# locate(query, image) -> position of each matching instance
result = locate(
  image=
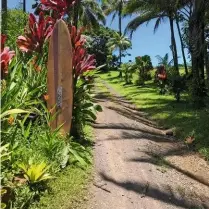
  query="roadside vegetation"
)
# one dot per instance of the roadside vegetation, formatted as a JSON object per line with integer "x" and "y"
{"x": 37, "y": 160}
{"x": 182, "y": 116}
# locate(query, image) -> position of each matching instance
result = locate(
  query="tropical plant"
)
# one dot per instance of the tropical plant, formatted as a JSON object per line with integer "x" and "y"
{"x": 98, "y": 46}
{"x": 25, "y": 120}
{"x": 36, "y": 35}
{"x": 128, "y": 69}
{"x": 164, "y": 61}
{"x": 115, "y": 8}
{"x": 58, "y": 8}
{"x": 159, "y": 10}
{"x": 120, "y": 43}
{"x": 88, "y": 13}
{"x": 84, "y": 109}
{"x": 16, "y": 21}
{"x": 35, "y": 173}
{"x": 6, "y": 56}
{"x": 143, "y": 64}
{"x": 4, "y": 152}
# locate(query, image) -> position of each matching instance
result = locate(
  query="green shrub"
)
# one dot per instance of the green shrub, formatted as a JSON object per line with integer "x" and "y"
{"x": 128, "y": 70}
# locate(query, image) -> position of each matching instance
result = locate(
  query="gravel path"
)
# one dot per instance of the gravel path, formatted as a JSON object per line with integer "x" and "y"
{"x": 139, "y": 167}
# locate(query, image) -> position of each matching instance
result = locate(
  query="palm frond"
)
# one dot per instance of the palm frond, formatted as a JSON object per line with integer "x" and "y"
{"x": 139, "y": 20}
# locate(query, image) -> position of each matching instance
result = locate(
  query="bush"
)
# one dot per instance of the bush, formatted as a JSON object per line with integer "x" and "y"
{"x": 128, "y": 69}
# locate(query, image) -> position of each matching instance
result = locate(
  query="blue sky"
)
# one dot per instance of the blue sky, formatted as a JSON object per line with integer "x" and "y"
{"x": 144, "y": 40}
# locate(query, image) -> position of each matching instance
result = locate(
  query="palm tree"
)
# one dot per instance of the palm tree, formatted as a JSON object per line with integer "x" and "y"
{"x": 164, "y": 61}
{"x": 121, "y": 43}
{"x": 88, "y": 13}
{"x": 197, "y": 43}
{"x": 148, "y": 10}
{"x": 115, "y": 8}
{"x": 182, "y": 44}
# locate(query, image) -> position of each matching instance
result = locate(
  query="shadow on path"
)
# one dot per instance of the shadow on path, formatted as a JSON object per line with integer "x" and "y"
{"x": 151, "y": 191}
{"x": 152, "y": 159}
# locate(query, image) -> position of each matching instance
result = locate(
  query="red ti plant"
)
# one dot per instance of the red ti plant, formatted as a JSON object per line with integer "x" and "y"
{"x": 59, "y": 7}
{"x": 76, "y": 36}
{"x": 82, "y": 61}
{"x": 36, "y": 34}
{"x": 3, "y": 40}
{"x": 6, "y": 56}
{"x": 161, "y": 73}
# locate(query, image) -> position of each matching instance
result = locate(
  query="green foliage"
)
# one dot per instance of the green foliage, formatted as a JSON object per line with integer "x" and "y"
{"x": 29, "y": 144}
{"x": 3, "y": 192}
{"x": 97, "y": 45}
{"x": 128, "y": 69}
{"x": 144, "y": 65}
{"x": 168, "y": 113}
{"x": 12, "y": 112}
{"x": 69, "y": 190}
{"x": 165, "y": 61}
{"x": 35, "y": 173}
{"x": 4, "y": 153}
{"x": 26, "y": 134}
{"x": 15, "y": 23}
{"x": 85, "y": 109}
{"x": 119, "y": 42}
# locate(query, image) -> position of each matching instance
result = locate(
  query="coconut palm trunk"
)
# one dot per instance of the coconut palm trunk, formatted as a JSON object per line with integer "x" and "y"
{"x": 182, "y": 46}
{"x": 120, "y": 32}
{"x": 4, "y": 15}
{"x": 76, "y": 13}
{"x": 24, "y": 5}
{"x": 173, "y": 46}
{"x": 207, "y": 64}
{"x": 196, "y": 41}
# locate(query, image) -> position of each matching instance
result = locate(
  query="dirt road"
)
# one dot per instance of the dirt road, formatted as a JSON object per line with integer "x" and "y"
{"x": 137, "y": 167}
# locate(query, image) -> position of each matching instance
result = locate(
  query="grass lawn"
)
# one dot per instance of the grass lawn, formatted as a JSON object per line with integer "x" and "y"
{"x": 69, "y": 190}
{"x": 166, "y": 111}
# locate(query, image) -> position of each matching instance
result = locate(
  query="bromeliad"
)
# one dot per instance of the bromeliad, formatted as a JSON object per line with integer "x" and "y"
{"x": 36, "y": 34}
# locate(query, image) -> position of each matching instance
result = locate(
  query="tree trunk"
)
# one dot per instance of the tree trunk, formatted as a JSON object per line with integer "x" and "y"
{"x": 182, "y": 46}
{"x": 207, "y": 64}
{"x": 4, "y": 5}
{"x": 120, "y": 32}
{"x": 76, "y": 13}
{"x": 4, "y": 15}
{"x": 173, "y": 46}
{"x": 24, "y": 5}
{"x": 196, "y": 41}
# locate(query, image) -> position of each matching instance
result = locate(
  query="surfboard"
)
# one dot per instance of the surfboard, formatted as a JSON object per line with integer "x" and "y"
{"x": 60, "y": 77}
